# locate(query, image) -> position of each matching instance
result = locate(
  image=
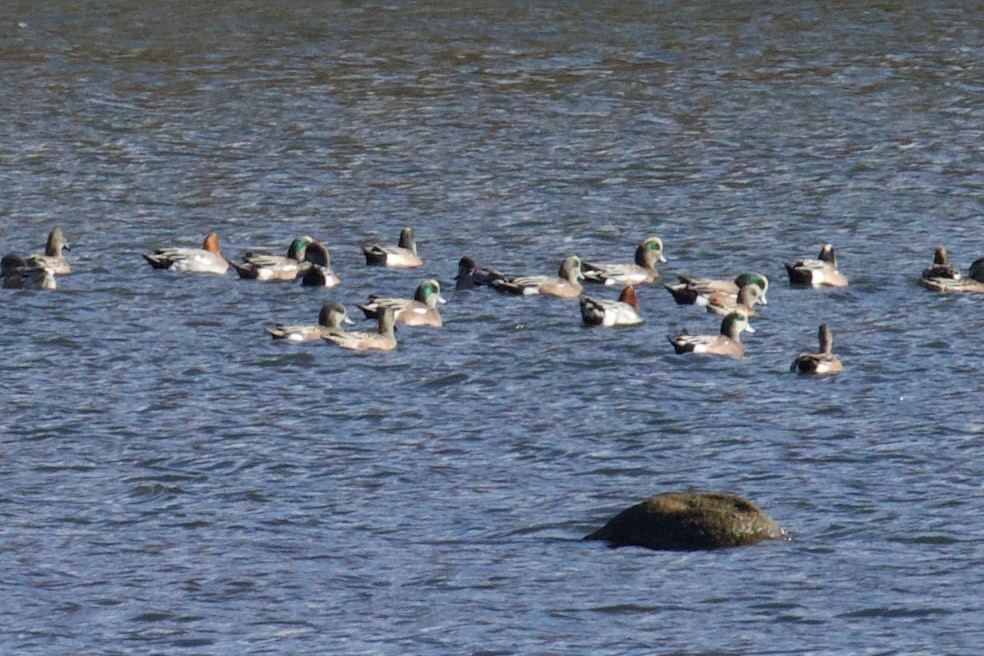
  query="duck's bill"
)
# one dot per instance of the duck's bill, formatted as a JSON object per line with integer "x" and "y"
{"x": 749, "y": 328}
{"x": 662, "y": 258}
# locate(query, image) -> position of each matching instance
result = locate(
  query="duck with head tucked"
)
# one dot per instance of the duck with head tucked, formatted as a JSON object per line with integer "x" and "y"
{"x": 727, "y": 343}
{"x": 704, "y": 291}
{"x": 330, "y": 320}
{"x": 564, "y": 285}
{"x": 941, "y": 277}
{"x": 403, "y": 256}
{"x": 19, "y": 274}
{"x": 264, "y": 266}
{"x": 821, "y": 272}
{"x": 421, "y": 310}
{"x": 52, "y": 258}
{"x": 207, "y": 259}
{"x": 824, "y": 362}
{"x": 319, "y": 273}
{"x": 641, "y": 272}
{"x": 382, "y": 340}
{"x": 601, "y": 312}
{"x": 470, "y": 275}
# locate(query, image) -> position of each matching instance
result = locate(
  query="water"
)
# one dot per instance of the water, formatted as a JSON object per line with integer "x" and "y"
{"x": 174, "y": 482}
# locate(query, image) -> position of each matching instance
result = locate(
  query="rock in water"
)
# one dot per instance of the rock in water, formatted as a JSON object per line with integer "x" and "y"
{"x": 690, "y": 520}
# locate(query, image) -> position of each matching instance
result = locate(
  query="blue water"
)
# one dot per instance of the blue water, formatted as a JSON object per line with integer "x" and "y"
{"x": 174, "y": 482}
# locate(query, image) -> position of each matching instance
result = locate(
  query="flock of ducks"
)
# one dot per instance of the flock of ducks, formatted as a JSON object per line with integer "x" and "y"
{"x": 308, "y": 260}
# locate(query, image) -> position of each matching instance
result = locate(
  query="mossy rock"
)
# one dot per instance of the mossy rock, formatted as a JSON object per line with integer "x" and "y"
{"x": 690, "y": 520}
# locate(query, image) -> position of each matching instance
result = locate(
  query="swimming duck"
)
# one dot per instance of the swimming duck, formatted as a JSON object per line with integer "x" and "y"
{"x": 52, "y": 258}
{"x": 642, "y": 272}
{"x": 470, "y": 275}
{"x": 207, "y": 259}
{"x": 404, "y": 255}
{"x": 382, "y": 340}
{"x": 419, "y": 311}
{"x": 330, "y": 320}
{"x": 941, "y": 266}
{"x": 821, "y": 272}
{"x": 977, "y": 270}
{"x": 264, "y": 266}
{"x": 824, "y": 362}
{"x": 941, "y": 277}
{"x": 623, "y": 312}
{"x": 319, "y": 273}
{"x": 748, "y": 296}
{"x": 565, "y": 285}
{"x": 702, "y": 291}
{"x": 19, "y": 274}
{"x": 727, "y": 343}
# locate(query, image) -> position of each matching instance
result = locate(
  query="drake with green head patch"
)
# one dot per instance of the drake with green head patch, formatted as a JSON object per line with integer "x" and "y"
{"x": 421, "y": 310}
{"x": 641, "y": 272}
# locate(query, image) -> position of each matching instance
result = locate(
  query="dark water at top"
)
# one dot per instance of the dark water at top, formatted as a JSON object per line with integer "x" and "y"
{"x": 173, "y": 482}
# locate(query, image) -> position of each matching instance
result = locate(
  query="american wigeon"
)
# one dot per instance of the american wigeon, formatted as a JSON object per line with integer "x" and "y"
{"x": 330, "y": 320}
{"x": 404, "y": 255}
{"x": 565, "y": 285}
{"x": 52, "y": 258}
{"x": 319, "y": 273}
{"x": 19, "y": 274}
{"x": 748, "y": 297}
{"x": 941, "y": 266}
{"x": 821, "y": 272}
{"x": 601, "y": 312}
{"x": 824, "y": 362}
{"x": 470, "y": 275}
{"x": 702, "y": 291}
{"x": 421, "y": 310}
{"x": 382, "y": 340}
{"x": 727, "y": 343}
{"x": 641, "y": 272}
{"x": 207, "y": 259}
{"x": 941, "y": 277}
{"x": 977, "y": 270}
{"x": 264, "y": 266}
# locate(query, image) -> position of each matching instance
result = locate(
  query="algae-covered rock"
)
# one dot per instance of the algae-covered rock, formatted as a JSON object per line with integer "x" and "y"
{"x": 690, "y": 520}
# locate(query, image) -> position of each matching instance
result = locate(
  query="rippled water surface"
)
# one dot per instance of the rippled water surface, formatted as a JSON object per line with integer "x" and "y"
{"x": 175, "y": 482}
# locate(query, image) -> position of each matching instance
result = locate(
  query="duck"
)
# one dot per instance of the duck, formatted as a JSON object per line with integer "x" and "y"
{"x": 824, "y": 362}
{"x": 565, "y": 285}
{"x": 623, "y": 312}
{"x": 20, "y": 274}
{"x": 641, "y": 272}
{"x": 941, "y": 266}
{"x": 703, "y": 291}
{"x": 421, "y": 310}
{"x": 402, "y": 256}
{"x": 727, "y": 343}
{"x": 941, "y": 277}
{"x": 330, "y": 320}
{"x": 821, "y": 272}
{"x": 207, "y": 259}
{"x": 723, "y": 304}
{"x": 264, "y": 266}
{"x": 977, "y": 269}
{"x": 52, "y": 258}
{"x": 470, "y": 275}
{"x": 319, "y": 273}
{"x": 382, "y": 340}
